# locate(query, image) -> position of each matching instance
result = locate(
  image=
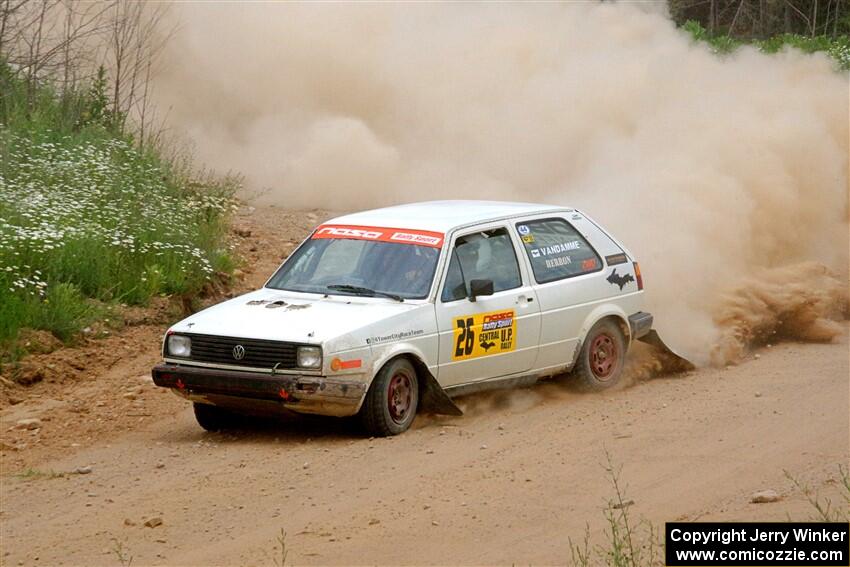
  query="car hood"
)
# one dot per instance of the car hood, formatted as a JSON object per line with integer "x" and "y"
{"x": 285, "y": 316}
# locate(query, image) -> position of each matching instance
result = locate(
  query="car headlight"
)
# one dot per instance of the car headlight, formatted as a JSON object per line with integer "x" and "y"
{"x": 178, "y": 345}
{"x": 309, "y": 357}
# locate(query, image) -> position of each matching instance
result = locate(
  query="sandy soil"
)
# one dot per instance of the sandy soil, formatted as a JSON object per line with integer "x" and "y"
{"x": 510, "y": 482}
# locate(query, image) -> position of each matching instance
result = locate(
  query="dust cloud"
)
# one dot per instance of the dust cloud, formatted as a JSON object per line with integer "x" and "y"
{"x": 727, "y": 178}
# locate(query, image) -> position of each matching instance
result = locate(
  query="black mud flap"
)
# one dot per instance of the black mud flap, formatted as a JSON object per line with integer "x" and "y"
{"x": 433, "y": 398}
{"x": 674, "y": 360}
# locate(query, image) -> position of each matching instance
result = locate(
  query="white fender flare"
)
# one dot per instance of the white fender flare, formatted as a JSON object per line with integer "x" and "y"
{"x": 601, "y": 312}
{"x": 388, "y": 352}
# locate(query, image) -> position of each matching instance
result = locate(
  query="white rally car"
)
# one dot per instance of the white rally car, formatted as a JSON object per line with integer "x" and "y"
{"x": 382, "y": 312}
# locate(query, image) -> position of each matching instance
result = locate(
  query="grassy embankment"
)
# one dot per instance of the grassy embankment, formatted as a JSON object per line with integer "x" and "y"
{"x": 90, "y": 220}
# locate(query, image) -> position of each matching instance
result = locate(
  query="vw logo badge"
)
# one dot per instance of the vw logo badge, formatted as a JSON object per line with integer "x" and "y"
{"x": 238, "y": 352}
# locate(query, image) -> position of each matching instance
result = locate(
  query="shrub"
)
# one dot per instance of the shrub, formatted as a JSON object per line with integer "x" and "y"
{"x": 837, "y": 47}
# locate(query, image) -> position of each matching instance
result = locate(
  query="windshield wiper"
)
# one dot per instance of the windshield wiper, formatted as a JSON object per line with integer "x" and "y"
{"x": 357, "y": 290}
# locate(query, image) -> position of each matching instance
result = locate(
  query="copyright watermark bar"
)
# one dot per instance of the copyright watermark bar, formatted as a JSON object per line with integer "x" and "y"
{"x": 763, "y": 544}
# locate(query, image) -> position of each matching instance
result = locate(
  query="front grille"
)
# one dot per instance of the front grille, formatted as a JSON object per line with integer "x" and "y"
{"x": 259, "y": 353}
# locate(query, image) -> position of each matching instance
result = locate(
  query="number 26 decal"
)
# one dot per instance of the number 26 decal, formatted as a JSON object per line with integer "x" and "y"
{"x": 484, "y": 334}
{"x": 465, "y": 337}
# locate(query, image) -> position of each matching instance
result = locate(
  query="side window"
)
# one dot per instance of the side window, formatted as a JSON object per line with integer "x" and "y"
{"x": 557, "y": 250}
{"x": 482, "y": 255}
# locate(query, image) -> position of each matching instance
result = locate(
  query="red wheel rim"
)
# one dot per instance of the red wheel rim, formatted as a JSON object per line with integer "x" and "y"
{"x": 603, "y": 356}
{"x": 399, "y": 396}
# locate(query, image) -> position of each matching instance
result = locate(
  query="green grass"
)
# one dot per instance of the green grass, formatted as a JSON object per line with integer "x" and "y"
{"x": 89, "y": 219}
{"x": 628, "y": 542}
{"x": 825, "y": 509}
{"x": 61, "y": 309}
{"x": 279, "y": 559}
{"x": 121, "y": 552}
{"x": 836, "y": 47}
{"x": 37, "y": 474}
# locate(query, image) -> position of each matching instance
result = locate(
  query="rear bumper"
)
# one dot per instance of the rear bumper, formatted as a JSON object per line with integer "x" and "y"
{"x": 640, "y": 324}
{"x": 242, "y": 390}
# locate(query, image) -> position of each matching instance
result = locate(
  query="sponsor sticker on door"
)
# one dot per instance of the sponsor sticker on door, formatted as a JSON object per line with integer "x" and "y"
{"x": 483, "y": 334}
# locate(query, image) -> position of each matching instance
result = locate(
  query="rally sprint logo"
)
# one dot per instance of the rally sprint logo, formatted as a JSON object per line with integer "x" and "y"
{"x": 416, "y": 238}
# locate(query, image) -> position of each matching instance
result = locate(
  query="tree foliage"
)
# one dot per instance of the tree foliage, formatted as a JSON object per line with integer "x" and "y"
{"x": 762, "y": 19}
{"x": 836, "y": 47}
{"x": 110, "y": 46}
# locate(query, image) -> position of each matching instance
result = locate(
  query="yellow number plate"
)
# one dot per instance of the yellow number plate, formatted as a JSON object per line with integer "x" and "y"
{"x": 484, "y": 333}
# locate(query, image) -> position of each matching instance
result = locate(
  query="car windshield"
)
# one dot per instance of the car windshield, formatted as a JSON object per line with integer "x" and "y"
{"x": 343, "y": 266}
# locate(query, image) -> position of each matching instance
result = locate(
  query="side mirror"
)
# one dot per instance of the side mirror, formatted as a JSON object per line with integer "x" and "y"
{"x": 480, "y": 287}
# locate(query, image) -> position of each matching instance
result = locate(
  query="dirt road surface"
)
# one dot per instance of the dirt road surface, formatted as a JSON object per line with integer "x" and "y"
{"x": 510, "y": 482}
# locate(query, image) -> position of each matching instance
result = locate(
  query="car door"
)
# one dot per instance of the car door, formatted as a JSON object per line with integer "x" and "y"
{"x": 489, "y": 335}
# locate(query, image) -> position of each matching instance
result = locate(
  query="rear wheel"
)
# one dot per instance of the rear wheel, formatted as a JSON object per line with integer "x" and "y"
{"x": 602, "y": 357}
{"x": 213, "y": 418}
{"x": 391, "y": 403}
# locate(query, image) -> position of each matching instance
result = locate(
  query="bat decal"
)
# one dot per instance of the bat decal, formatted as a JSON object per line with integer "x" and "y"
{"x": 487, "y": 345}
{"x": 616, "y": 279}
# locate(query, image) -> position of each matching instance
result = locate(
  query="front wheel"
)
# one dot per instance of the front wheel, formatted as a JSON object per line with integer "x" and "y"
{"x": 390, "y": 405}
{"x": 213, "y": 418}
{"x": 602, "y": 357}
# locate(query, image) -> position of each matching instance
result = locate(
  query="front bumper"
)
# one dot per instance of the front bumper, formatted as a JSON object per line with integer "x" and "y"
{"x": 247, "y": 390}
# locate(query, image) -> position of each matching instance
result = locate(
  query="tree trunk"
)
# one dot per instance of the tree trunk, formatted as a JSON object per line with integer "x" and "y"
{"x": 787, "y": 17}
{"x": 814, "y": 17}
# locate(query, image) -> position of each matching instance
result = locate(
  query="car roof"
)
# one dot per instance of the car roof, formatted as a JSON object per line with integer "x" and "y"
{"x": 442, "y": 216}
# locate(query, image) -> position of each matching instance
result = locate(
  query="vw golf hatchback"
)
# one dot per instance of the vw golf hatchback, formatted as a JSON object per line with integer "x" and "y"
{"x": 383, "y": 312}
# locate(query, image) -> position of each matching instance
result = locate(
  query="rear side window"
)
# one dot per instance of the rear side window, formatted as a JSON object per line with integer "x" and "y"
{"x": 481, "y": 255}
{"x": 557, "y": 250}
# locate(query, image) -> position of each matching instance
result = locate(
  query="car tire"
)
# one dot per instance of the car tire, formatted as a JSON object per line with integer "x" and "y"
{"x": 213, "y": 418}
{"x": 602, "y": 358}
{"x": 391, "y": 403}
